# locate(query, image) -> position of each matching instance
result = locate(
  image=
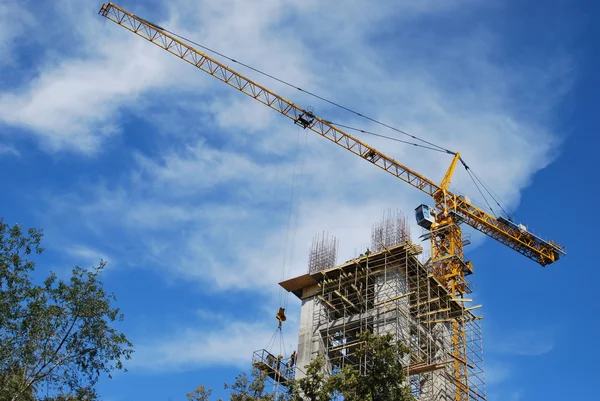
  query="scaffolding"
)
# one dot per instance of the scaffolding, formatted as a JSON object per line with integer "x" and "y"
{"x": 391, "y": 291}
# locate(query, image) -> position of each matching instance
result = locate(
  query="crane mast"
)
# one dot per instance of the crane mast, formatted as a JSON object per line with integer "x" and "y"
{"x": 448, "y": 262}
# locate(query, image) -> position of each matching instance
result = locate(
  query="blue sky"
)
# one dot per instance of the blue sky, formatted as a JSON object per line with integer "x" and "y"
{"x": 120, "y": 151}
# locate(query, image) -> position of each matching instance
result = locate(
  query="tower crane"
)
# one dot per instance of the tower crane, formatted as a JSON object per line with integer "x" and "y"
{"x": 443, "y": 220}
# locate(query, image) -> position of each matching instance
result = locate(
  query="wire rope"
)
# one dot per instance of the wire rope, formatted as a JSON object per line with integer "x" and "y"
{"x": 288, "y": 221}
{"x": 432, "y": 146}
{"x": 389, "y": 137}
{"x": 304, "y": 91}
{"x": 271, "y": 342}
{"x": 497, "y": 198}
{"x": 480, "y": 192}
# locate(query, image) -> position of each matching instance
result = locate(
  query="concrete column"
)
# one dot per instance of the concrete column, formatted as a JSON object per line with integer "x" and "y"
{"x": 305, "y": 336}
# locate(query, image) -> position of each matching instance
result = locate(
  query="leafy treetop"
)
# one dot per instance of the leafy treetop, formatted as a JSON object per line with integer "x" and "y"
{"x": 56, "y": 335}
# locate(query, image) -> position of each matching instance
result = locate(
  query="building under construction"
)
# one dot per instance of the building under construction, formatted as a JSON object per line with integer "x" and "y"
{"x": 387, "y": 289}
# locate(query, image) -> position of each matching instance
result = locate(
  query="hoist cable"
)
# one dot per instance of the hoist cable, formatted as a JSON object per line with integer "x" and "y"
{"x": 296, "y": 213}
{"x": 289, "y": 220}
{"x": 282, "y": 345}
{"x": 272, "y": 340}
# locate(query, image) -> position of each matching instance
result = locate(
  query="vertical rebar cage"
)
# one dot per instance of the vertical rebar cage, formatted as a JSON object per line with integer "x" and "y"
{"x": 323, "y": 253}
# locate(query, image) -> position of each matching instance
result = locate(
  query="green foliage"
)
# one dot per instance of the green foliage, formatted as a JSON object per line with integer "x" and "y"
{"x": 55, "y": 335}
{"x": 200, "y": 394}
{"x": 82, "y": 394}
{"x": 383, "y": 378}
{"x": 250, "y": 388}
{"x": 244, "y": 388}
{"x": 316, "y": 386}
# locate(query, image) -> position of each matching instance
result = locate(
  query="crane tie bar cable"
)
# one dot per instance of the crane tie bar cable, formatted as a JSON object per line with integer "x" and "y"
{"x": 389, "y": 137}
{"x": 431, "y": 146}
{"x": 302, "y": 90}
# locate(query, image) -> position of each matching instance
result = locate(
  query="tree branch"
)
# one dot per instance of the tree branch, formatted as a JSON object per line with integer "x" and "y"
{"x": 36, "y": 376}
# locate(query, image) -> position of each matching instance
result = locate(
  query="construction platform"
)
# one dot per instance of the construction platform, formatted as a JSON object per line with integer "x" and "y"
{"x": 277, "y": 368}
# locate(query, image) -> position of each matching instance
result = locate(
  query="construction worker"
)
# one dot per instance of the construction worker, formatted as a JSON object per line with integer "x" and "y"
{"x": 278, "y": 363}
{"x": 290, "y": 363}
{"x": 293, "y": 358}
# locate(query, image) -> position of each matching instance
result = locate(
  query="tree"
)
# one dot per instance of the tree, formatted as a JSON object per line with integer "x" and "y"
{"x": 56, "y": 334}
{"x": 251, "y": 388}
{"x": 82, "y": 394}
{"x": 200, "y": 394}
{"x": 244, "y": 388}
{"x": 318, "y": 385}
{"x": 383, "y": 377}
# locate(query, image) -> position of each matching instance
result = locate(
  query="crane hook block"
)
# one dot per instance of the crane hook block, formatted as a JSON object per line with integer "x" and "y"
{"x": 281, "y": 316}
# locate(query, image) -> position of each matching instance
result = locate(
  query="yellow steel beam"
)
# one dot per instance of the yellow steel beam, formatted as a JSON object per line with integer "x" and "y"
{"x": 448, "y": 177}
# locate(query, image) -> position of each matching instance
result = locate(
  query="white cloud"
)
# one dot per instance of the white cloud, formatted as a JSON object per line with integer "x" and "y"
{"x": 69, "y": 105}
{"x": 74, "y": 104}
{"x": 209, "y": 315}
{"x": 87, "y": 256}
{"x": 522, "y": 341}
{"x": 199, "y": 167}
{"x": 14, "y": 22}
{"x": 496, "y": 373}
{"x": 8, "y": 150}
{"x": 506, "y": 395}
{"x": 228, "y": 345}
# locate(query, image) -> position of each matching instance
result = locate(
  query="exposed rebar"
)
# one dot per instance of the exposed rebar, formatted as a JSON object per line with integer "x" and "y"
{"x": 323, "y": 253}
{"x": 391, "y": 230}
